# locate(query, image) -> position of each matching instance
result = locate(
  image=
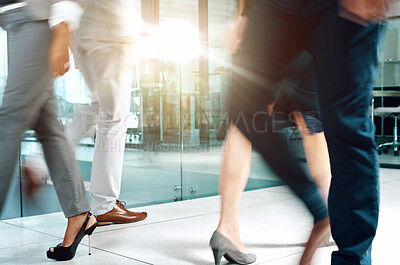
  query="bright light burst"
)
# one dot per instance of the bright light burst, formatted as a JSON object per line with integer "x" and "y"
{"x": 173, "y": 41}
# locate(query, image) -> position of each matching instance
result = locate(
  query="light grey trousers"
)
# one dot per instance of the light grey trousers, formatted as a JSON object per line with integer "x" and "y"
{"x": 28, "y": 102}
{"x": 107, "y": 69}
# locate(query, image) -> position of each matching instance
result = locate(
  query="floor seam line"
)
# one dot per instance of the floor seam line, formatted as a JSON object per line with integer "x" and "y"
{"x": 187, "y": 217}
{"x": 29, "y": 244}
{"x": 281, "y": 257}
{"x": 120, "y": 255}
{"x": 33, "y": 230}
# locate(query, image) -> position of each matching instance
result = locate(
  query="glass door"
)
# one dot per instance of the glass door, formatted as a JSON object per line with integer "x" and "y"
{"x": 205, "y": 118}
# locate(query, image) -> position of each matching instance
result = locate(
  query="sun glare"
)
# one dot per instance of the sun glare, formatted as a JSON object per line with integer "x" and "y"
{"x": 173, "y": 41}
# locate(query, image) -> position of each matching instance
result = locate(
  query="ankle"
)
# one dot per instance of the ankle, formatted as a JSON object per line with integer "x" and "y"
{"x": 77, "y": 217}
{"x": 234, "y": 237}
{"x": 232, "y": 233}
{"x": 228, "y": 228}
{"x": 78, "y": 220}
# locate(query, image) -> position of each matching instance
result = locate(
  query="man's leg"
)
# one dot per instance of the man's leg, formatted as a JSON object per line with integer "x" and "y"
{"x": 110, "y": 70}
{"x": 346, "y": 56}
{"x": 84, "y": 124}
{"x": 107, "y": 68}
{"x": 86, "y": 120}
{"x": 28, "y": 43}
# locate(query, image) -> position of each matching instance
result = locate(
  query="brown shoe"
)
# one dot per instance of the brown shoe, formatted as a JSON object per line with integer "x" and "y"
{"x": 120, "y": 215}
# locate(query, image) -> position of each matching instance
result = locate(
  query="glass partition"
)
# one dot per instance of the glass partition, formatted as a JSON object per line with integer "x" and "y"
{"x": 387, "y": 91}
{"x": 178, "y": 117}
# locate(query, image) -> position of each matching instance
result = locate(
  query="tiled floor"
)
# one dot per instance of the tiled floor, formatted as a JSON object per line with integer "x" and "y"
{"x": 274, "y": 225}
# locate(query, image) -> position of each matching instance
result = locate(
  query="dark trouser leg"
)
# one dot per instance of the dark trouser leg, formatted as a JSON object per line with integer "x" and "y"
{"x": 345, "y": 57}
{"x": 63, "y": 167}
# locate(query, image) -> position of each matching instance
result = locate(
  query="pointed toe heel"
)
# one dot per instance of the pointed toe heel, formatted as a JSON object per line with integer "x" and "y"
{"x": 221, "y": 246}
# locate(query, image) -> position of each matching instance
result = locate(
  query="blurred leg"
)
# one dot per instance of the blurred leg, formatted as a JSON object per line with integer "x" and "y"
{"x": 63, "y": 167}
{"x": 84, "y": 124}
{"x": 28, "y": 78}
{"x": 232, "y": 182}
{"x": 345, "y": 57}
{"x": 87, "y": 118}
{"x": 317, "y": 156}
{"x": 318, "y": 164}
{"x": 108, "y": 66}
{"x": 64, "y": 171}
{"x": 274, "y": 39}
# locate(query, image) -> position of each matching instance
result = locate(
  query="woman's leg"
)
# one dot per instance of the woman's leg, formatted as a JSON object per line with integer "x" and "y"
{"x": 64, "y": 171}
{"x": 317, "y": 156}
{"x": 234, "y": 176}
{"x": 235, "y": 169}
{"x": 28, "y": 43}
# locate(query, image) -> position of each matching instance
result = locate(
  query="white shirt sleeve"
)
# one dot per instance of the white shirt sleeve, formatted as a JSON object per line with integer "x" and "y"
{"x": 66, "y": 11}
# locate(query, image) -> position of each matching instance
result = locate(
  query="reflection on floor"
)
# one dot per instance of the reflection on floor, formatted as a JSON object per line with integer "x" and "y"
{"x": 155, "y": 177}
{"x": 274, "y": 225}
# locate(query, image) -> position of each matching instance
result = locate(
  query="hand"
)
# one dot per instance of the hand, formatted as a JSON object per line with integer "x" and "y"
{"x": 58, "y": 53}
{"x": 364, "y": 11}
{"x": 72, "y": 48}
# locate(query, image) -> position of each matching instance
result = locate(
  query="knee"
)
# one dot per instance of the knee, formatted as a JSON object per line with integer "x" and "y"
{"x": 109, "y": 97}
{"x": 114, "y": 122}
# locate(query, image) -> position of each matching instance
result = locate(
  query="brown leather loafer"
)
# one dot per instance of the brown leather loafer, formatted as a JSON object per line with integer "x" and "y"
{"x": 120, "y": 215}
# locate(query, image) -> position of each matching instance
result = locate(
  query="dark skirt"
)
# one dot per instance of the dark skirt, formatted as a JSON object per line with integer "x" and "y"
{"x": 298, "y": 93}
{"x": 295, "y": 91}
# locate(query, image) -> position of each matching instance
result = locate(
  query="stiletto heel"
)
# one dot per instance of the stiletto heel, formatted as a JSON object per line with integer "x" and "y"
{"x": 61, "y": 253}
{"x": 217, "y": 256}
{"x": 221, "y": 246}
{"x": 89, "y": 232}
{"x": 90, "y": 247}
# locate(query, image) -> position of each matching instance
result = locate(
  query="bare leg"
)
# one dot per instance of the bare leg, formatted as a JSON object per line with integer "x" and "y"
{"x": 235, "y": 169}
{"x": 318, "y": 162}
{"x": 317, "y": 155}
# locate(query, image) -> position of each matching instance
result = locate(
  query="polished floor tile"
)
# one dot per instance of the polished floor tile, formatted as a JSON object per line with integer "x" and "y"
{"x": 51, "y": 224}
{"x": 36, "y": 254}
{"x": 12, "y": 236}
{"x": 274, "y": 225}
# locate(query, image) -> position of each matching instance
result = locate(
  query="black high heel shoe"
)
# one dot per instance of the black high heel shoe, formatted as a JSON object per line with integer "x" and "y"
{"x": 61, "y": 253}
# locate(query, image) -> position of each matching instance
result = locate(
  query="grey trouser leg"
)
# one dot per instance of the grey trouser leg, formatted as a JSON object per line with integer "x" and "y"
{"x": 62, "y": 165}
{"x": 27, "y": 101}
